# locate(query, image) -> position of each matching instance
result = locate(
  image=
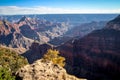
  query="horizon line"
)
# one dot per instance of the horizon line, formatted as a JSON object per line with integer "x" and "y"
{"x": 63, "y": 14}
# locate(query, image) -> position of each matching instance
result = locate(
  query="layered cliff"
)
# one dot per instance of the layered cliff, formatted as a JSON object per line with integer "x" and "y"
{"x": 10, "y": 36}
{"x": 96, "y": 56}
{"x": 41, "y": 30}
{"x": 21, "y": 34}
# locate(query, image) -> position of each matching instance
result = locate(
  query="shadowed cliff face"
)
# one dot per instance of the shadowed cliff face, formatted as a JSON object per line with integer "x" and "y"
{"x": 97, "y": 55}
{"x": 28, "y": 32}
{"x": 36, "y": 51}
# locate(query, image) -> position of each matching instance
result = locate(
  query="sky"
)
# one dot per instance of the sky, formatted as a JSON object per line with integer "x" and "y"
{"x": 12, "y": 7}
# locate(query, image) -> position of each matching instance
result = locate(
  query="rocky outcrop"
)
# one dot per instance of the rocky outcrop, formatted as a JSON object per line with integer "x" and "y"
{"x": 40, "y": 70}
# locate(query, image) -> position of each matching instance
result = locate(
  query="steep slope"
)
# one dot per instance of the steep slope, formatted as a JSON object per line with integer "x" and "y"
{"x": 95, "y": 56}
{"x": 27, "y": 20}
{"x": 44, "y": 71}
{"x": 11, "y": 60}
{"x": 26, "y": 26}
{"x": 114, "y": 24}
{"x": 98, "y": 54}
{"x": 6, "y": 28}
{"x": 28, "y": 32}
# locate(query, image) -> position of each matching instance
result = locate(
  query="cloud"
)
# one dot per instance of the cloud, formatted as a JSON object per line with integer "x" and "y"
{"x": 13, "y": 10}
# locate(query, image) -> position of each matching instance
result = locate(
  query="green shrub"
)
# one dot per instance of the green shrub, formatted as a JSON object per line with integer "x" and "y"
{"x": 5, "y": 74}
{"x": 53, "y": 55}
{"x": 10, "y": 62}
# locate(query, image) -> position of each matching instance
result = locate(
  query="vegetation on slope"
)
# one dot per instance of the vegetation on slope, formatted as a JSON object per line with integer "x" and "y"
{"x": 53, "y": 55}
{"x": 10, "y": 62}
{"x": 5, "y": 74}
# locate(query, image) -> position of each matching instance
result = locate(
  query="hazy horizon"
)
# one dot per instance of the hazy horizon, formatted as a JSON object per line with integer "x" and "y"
{"x": 16, "y": 7}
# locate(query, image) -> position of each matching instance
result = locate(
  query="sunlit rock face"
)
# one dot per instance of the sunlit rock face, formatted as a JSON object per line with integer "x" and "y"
{"x": 10, "y": 36}
{"x": 40, "y": 70}
{"x": 21, "y": 34}
{"x": 41, "y": 30}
